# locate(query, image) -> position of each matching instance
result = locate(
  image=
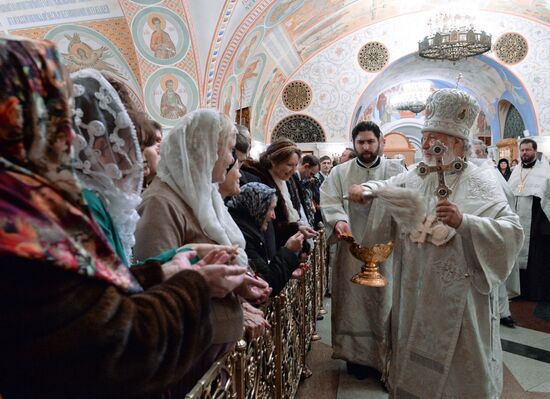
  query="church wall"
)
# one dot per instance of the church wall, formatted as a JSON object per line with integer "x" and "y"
{"x": 337, "y": 81}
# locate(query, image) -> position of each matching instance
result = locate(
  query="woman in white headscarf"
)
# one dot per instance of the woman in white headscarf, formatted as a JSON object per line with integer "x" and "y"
{"x": 183, "y": 205}
{"x": 107, "y": 159}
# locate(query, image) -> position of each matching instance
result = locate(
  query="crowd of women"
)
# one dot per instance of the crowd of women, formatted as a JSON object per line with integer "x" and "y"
{"x": 130, "y": 261}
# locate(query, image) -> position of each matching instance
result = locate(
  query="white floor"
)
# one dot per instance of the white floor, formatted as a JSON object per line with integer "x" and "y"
{"x": 532, "y": 375}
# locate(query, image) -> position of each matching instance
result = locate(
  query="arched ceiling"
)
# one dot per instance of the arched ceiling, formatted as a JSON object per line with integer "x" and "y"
{"x": 242, "y": 52}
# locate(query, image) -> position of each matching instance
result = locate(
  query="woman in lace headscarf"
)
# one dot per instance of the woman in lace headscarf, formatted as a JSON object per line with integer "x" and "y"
{"x": 108, "y": 158}
{"x": 182, "y": 205}
{"x": 76, "y": 322}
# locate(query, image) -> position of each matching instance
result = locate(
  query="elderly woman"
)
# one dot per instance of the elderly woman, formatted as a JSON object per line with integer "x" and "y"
{"x": 183, "y": 205}
{"x": 252, "y": 209}
{"x": 276, "y": 166}
{"x": 76, "y": 322}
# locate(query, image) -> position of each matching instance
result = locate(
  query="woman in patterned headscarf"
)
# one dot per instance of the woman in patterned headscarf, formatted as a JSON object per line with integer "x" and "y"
{"x": 252, "y": 209}
{"x": 75, "y": 321}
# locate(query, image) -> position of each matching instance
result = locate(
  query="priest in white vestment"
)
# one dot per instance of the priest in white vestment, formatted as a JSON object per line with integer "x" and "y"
{"x": 360, "y": 317}
{"x": 511, "y": 288}
{"x": 530, "y": 183}
{"x": 446, "y": 273}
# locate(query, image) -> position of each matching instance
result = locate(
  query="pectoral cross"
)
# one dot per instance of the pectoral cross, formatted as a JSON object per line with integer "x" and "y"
{"x": 438, "y": 150}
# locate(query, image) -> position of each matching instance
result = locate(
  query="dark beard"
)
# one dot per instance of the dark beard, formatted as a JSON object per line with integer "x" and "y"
{"x": 371, "y": 157}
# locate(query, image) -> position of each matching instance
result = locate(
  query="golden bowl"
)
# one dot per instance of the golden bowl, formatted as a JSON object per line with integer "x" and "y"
{"x": 371, "y": 257}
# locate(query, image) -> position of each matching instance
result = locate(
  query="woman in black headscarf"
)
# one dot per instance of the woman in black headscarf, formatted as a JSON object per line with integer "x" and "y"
{"x": 504, "y": 168}
{"x": 252, "y": 209}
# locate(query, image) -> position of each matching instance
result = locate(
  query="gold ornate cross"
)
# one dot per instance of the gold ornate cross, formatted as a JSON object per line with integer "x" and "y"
{"x": 438, "y": 150}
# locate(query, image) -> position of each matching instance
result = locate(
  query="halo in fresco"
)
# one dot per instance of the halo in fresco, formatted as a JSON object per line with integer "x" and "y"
{"x": 248, "y": 48}
{"x": 250, "y": 78}
{"x": 281, "y": 10}
{"x": 229, "y": 93}
{"x": 160, "y": 35}
{"x": 82, "y": 48}
{"x": 146, "y": 2}
{"x": 170, "y": 93}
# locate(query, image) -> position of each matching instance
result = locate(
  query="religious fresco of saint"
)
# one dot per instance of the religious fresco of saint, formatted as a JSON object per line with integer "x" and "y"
{"x": 250, "y": 78}
{"x": 229, "y": 96}
{"x": 268, "y": 92}
{"x": 81, "y": 48}
{"x": 248, "y": 48}
{"x": 170, "y": 94}
{"x": 161, "y": 37}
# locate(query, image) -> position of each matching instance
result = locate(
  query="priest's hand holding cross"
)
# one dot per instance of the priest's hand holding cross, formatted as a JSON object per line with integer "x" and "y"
{"x": 448, "y": 213}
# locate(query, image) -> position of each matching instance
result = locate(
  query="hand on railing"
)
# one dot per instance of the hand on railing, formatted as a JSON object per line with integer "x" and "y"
{"x": 300, "y": 271}
{"x": 294, "y": 243}
{"x": 254, "y": 289}
{"x": 254, "y": 322}
{"x": 307, "y": 231}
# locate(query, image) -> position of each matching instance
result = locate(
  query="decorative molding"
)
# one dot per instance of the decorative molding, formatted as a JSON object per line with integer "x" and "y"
{"x": 297, "y": 95}
{"x": 373, "y": 56}
{"x": 511, "y": 48}
{"x": 300, "y": 129}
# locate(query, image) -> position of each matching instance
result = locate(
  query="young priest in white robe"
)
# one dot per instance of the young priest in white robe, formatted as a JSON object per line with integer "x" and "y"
{"x": 446, "y": 272}
{"x": 360, "y": 316}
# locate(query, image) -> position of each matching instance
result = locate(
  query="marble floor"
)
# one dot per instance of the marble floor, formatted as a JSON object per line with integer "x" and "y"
{"x": 526, "y": 371}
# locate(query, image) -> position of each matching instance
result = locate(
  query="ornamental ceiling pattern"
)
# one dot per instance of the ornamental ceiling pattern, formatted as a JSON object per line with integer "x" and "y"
{"x": 373, "y": 56}
{"x": 297, "y": 95}
{"x": 511, "y": 48}
{"x": 300, "y": 129}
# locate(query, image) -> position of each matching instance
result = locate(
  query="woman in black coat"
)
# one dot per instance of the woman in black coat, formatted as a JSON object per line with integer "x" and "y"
{"x": 252, "y": 209}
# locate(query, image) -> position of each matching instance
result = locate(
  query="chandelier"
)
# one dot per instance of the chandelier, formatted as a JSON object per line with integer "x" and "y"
{"x": 455, "y": 38}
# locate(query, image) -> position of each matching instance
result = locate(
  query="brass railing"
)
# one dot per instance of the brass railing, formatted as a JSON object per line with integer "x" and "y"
{"x": 272, "y": 366}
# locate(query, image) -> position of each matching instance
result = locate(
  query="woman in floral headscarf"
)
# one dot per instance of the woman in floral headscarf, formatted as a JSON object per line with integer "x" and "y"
{"x": 252, "y": 209}
{"x": 75, "y": 321}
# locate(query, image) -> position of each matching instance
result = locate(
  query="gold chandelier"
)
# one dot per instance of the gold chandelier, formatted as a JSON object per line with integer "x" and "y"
{"x": 451, "y": 41}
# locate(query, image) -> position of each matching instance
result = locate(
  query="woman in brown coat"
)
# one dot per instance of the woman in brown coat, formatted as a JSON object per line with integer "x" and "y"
{"x": 74, "y": 321}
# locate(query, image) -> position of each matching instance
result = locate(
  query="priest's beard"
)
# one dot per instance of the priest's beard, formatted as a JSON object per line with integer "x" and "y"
{"x": 368, "y": 156}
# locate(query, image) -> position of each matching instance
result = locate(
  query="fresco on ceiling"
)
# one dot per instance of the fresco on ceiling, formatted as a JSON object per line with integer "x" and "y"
{"x": 146, "y": 2}
{"x": 281, "y": 10}
{"x": 160, "y": 35}
{"x": 82, "y": 48}
{"x": 229, "y": 98}
{"x": 249, "y": 47}
{"x": 382, "y": 109}
{"x": 170, "y": 93}
{"x": 249, "y": 79}
{"x": 317, "y": 23}
{"x": 268, "y": 95}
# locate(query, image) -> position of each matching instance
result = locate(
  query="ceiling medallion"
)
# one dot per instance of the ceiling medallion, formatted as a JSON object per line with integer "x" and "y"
{"x": 511, "y": 48}
{"x": 373, "y": 56}
{"x": 300, "y": 129}
{"x": 297, "y": 95}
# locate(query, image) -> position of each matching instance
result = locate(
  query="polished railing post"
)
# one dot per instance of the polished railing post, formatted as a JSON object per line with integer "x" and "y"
{"x": 323, "y": 277}
{"x": 278, "y": 335}
{"x": 272, "y": 366}
{"x": 240, "y": 369}
{"x": 314, "y": 308}
{"x": 306, "y": 372}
